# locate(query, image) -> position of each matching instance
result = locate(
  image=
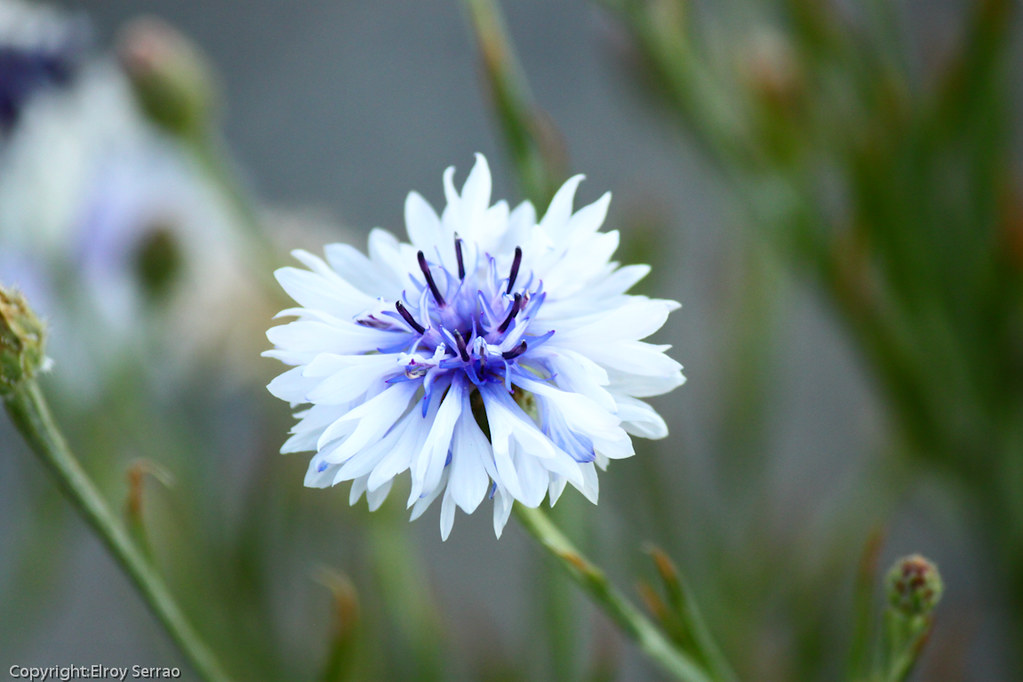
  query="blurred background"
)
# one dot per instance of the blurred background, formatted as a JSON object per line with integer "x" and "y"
{"x": 830, "y": 189}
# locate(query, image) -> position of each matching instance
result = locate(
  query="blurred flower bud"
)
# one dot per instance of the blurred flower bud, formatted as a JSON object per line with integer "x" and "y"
{"x": 170, "y": 77}
{"x": 772, "y": 71}
{"x": 914, "y": 586}
{"x": 21, "y": 341}
{"x": 775, "y": 84}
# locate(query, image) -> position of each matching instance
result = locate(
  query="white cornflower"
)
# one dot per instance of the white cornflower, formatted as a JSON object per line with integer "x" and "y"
{"x": 494, "y": 355}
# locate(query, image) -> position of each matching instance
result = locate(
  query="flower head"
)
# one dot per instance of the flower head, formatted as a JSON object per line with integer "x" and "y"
{"x": 494, "y": 355}
{"x": 21, "y": 341}
{"x": 914, "y": 586}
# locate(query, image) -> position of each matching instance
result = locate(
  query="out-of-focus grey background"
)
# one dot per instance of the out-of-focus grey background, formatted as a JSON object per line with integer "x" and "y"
{"x": 342, "y": 108}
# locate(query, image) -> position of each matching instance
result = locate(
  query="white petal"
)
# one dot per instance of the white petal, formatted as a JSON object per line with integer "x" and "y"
{"x": 447, "y": 515}
{"x": 591, "y": 484}
{"x": 555, "y": 221}
{"x": 471, "y": 454}
{"x": 357, "y": 491}
{"x": 502, "y": 510}
{"x": 556, "y": 487}
{"x": 476, "y": 191}
{"x": 576, "y": 373}
{"x": 346, "y": 385}
{"x": 589, "y": 218}
{"x": 372, "y": 456}
{"x": 399, "y": 456}
{"x": 644, "y": 386}
{"x": 429, "y": 464}
{"x": 424, "y": 502}
{"x": 521, "y": 224}
{"x": 313, "y": 290}
{"x": 385, "y": 253}
{"x": 635, "y": 357}
{"x": 472, "y": 460}
{"x": 533, "y": 478}
{"x": 307, "y": 336}
{"x": 501, "y": 425}
{"x": 307, "y": 431}
{"x": 291, "y": 386}
{"x": 370, "y": 420}
{"x": 450, "y": 193}
{"x": 361, "y": 272}
{"x": 319, "y": 475}
{"x": 640, "y": 419}
{"x": 375, "y": 498}
{"x": 638, "y": 318}
{"x": 422, "y": 223}
{"x": 620, "y": 281}
{"x": 584, "y": 416}
{"x": 582, "y": 262}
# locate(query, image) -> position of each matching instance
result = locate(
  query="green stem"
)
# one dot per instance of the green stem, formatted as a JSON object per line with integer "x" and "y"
{"x": 213, "y": 160}
{"x": 30, "y": 414}
{"x": 650, "y": 639}
{"x": 863, "y": 617}
{"x": 411, "y": 608}
{"x": 521, "y": 124}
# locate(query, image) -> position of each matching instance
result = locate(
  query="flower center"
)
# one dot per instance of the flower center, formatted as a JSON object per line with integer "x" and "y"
{"x": 474, "y": 321}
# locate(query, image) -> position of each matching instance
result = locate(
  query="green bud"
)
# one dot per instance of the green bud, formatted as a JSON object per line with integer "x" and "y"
{"x": 21, "y": 341}
{"x": 170, "y": 77}
{"x": 914, "y": 586}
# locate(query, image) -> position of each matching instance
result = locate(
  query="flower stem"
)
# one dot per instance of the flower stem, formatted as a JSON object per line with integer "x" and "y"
{"x": 650, "y": 639}
{"x": 214, "y": 162}
{"x": 30, "y": 414}
{"x": 531, "y": 142}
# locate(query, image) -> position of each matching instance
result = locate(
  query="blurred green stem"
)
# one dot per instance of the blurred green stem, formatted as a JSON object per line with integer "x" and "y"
{"x": 520, "y": 123}
{"x": 213, "y": 160}
{"x": 30, "y": 414}
{"x": 860, "y": 652}
{"x": 410, "y": 604}
{"x": 650, "y": 639}
{"x": 216, "y": 164}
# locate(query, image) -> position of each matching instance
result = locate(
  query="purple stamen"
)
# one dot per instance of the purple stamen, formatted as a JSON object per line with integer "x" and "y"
{"x": 516, "y": 262}
{"x": 516, "y": 306}
{"x": 462, "y": 351}
{"x": 429, "y": 278}
{"x": 374, "y": 322}
{"x": 514, "y": 352}
{"x": 458, "y": 254}
{"x": 403, "y": 311}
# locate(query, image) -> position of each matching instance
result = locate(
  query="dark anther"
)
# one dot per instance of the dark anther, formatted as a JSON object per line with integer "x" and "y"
{"x": 458, "y": 254}
{"x": 429, "y": 278}
{"x": 515, "y": 307}
{"x": 462, "y": 350}
{"x": 514, "y": 268}
{"x": 514, "y": 352}
{"x": 403, "y": 311}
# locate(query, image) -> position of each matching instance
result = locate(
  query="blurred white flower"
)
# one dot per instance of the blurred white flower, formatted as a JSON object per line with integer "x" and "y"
{"x": 113, "y": 233}
{"x": 494, "y": 354}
